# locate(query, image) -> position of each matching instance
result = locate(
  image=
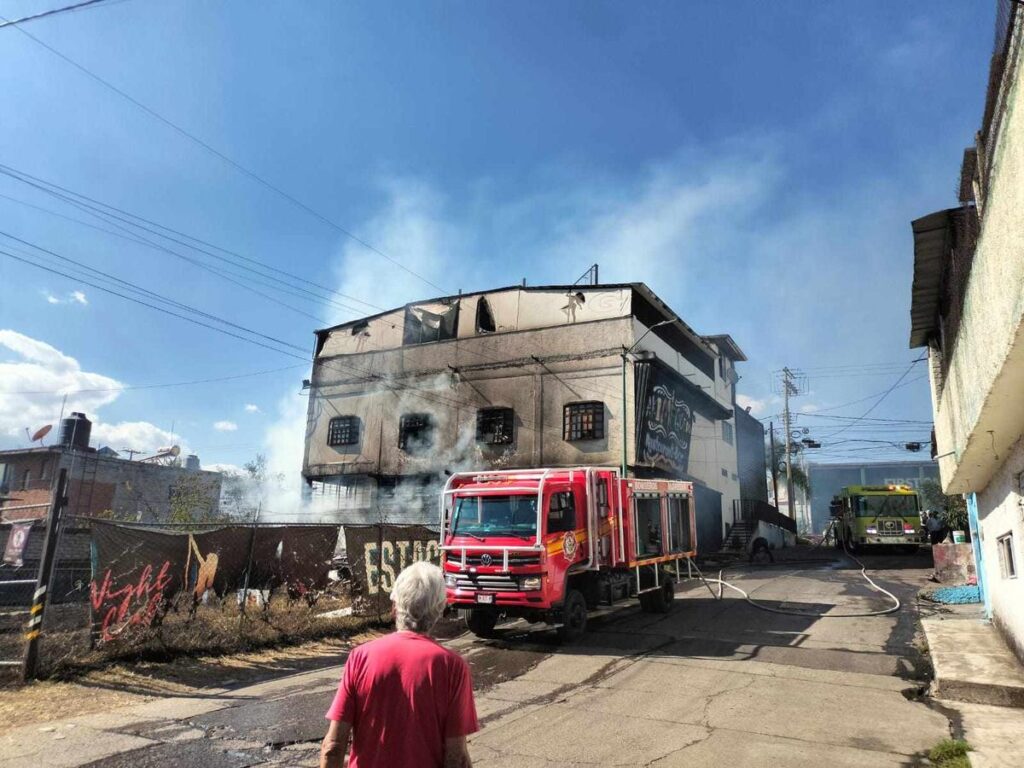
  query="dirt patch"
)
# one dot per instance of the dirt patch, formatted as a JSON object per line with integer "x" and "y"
{"x": 125, "y": 684}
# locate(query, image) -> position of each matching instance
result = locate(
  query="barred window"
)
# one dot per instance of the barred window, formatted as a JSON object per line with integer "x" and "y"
{"x": 494, "y": 426}
{"x": 583, "y": 421}
{"x": 415, "y": 432}
{"x": 343, "y": 430}
{"x": 727, "y": 433}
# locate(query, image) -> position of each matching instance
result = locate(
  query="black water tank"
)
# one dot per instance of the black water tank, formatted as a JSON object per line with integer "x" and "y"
{"x": 74, "y": 431}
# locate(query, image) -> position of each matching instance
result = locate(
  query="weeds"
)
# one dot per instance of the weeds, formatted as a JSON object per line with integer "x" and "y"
{"x": 950, "y": 753}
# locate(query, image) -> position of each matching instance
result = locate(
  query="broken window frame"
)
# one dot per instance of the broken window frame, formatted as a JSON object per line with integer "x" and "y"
{"x": 415, "y": 432}
{"x": 495, "y": 426}
{"x": 417, "y": 331}
{"x": 485, "y": 316}
{"x": 343, "y": 430}
{"x": 582, "y": 421}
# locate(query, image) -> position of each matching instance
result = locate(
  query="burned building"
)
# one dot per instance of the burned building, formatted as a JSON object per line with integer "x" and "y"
{"x": 101, "y": 483}
{"x": 518, "y": 377}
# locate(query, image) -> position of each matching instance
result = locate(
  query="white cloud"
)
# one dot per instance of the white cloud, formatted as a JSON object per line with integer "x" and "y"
{"x": 227, "y": 469}
{"x": 73, "y": 297}
{"x": 33, "y": 384}
{"x": 225, "y": 426}
{"x": 32, "y": 388}
{"x": 252, "y": 408}
{"x": 755, "y": 406}
{"x": 136, "y": 435}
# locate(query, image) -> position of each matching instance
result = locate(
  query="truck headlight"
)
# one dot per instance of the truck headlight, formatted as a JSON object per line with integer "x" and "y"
{"x": 872, "y": 530}
{"x": 451, "y": 580}
{"x": 529, "y": 583}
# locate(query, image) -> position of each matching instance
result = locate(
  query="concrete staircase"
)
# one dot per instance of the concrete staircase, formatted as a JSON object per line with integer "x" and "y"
{"x": 739, "y": 535}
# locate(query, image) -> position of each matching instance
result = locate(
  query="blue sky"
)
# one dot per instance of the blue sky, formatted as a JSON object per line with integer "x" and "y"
{"x": 756, "y": 164}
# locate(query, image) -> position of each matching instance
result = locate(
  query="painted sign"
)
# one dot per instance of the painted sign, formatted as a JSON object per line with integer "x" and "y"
{"x": 14, "y": 551}
{"x": 664, "y": 419}
{"x": 378, "y": 553}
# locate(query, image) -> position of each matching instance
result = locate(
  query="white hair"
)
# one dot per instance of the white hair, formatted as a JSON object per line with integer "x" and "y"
{"x": 419, "y": 597}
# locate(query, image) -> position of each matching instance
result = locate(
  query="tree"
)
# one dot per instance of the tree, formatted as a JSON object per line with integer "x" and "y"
{"x": 800, "y": 479}
{"x": 952, "y": 509}
{"x": 192, "y": 500}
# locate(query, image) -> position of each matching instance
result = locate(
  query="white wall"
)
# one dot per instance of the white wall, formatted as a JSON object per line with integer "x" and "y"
{"x": 1001, "y": 510}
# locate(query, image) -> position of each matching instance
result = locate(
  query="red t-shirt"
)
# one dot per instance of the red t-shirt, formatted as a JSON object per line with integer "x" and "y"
{"x": 403, "y": 695}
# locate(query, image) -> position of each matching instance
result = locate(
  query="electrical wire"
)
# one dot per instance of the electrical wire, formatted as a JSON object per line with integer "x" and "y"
{"x": 228, "y": 160}
{"x": 52, "y": 12}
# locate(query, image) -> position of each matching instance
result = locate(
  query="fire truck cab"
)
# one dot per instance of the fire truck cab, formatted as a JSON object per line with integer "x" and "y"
{"x": 549, "y": 545}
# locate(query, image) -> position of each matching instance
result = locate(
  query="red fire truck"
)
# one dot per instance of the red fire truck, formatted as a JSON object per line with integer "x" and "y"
{"x": 549, "y": 545}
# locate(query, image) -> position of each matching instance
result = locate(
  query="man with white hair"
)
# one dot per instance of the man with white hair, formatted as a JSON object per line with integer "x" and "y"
{"x": 407, "y": 701}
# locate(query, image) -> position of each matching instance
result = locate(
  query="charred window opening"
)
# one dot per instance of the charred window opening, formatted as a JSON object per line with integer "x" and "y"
{"x": 583, "y": 421}
{"x": 415, "y": 432}
{"x": 494, "y": 426}
{"x": 361, "y": 329}
{"x": 484, "y": 317}
{"x": 423, "y": 326}
{"x": 343, "y": 430}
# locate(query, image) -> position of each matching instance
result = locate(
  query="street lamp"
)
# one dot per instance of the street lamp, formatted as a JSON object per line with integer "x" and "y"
{"x": 625, "y": 358}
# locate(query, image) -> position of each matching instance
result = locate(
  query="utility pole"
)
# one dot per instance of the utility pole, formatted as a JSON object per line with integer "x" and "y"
{"x": 34, "y": 628}
{"x": 774, "y": 464}
{"x": 788, "y": 389}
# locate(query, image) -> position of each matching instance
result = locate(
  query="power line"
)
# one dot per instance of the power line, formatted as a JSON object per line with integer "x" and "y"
{"x": 131, "y": 387}
{"x": 53, "y": 12}
{"x": 878, "y": 402}
{"x": 231, "y": 162}
{"x": 99, "y": 208}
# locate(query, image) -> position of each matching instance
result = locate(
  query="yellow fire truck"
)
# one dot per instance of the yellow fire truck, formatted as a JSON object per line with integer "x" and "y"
{"x": 877, "y": 515}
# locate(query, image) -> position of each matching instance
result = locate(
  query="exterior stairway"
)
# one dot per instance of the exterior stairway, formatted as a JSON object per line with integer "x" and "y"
{"x": 739, "y": 535}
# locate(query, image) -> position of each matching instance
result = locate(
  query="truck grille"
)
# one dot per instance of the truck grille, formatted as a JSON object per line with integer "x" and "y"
{"x": 486, "y": 583}
{"x": 890, "y": 527}
{"x": 497, "y": 559}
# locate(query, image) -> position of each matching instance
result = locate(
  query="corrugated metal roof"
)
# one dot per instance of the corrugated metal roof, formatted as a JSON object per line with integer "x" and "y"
{"x": 932, "y": 241}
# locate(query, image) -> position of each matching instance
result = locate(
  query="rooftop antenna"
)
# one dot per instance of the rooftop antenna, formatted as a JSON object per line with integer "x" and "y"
{"x": 590, "y": 276}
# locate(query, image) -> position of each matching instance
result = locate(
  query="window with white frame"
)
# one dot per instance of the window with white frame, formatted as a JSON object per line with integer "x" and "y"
{"x": 1007, "y": 564}
{"x": 727, "y": 432}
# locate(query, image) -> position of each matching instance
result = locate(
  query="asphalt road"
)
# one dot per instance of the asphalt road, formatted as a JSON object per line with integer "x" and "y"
{"x": 714, "y": 682}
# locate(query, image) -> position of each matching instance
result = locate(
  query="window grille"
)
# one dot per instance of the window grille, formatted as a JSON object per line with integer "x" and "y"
{"x": 583, "y": 421}
{"x": 343, "y": 430}
{"x": 494, "y": 426}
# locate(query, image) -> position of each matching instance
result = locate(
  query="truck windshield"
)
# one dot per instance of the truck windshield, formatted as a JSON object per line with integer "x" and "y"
{"x": 894, "y": 506}
{"x": 495, "y": 516}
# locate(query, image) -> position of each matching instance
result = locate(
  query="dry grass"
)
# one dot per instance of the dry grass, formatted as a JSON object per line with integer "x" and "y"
{"x": 216, "y": 628}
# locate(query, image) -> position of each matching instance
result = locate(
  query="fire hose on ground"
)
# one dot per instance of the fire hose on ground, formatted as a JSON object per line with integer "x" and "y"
{"x": 856, "y": 615}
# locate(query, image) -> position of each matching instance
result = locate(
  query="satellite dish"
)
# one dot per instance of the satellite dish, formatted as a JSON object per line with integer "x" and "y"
{"x": 41, "y": 433}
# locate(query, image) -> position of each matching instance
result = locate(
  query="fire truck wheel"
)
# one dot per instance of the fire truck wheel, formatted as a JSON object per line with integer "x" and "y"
{"x": 574, "y": 616}
{"x": 662, "y": 602}
{"x": 481, "y": 623}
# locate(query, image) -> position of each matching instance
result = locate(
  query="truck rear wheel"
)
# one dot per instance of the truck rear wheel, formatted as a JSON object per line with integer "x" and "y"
{"x": 481, "y": 623}
{"x": 574, "y": 616}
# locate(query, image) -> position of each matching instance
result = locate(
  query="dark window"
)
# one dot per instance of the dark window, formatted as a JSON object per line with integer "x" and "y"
{"x": 727, "y": 432}
{"x": 648, "y": 525}
{"x": 422, "y": 326}
{"x": 494, "y": 426}
{"x": 415, "y": 432}
{"x": 725, "y": 472}
{"x": 562, "y": 512}
{"x": 484, "y": 317}
{"x": 343, "y": 430}
{"x": 679, "y": 524}
{"x": 583, "y": 421}
{"x": 26, "y": 479}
